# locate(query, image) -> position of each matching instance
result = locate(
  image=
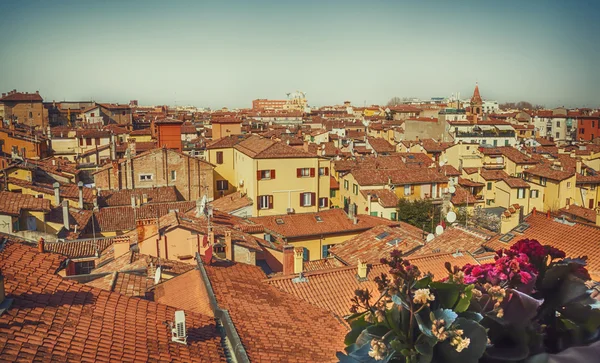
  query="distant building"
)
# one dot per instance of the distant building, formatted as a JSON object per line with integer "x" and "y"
{"x": 26, "y": 108}
{"x": 169, "y": 133}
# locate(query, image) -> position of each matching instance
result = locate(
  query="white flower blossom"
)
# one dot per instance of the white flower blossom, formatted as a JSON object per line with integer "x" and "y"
{"x": 422, "y": 296}
{"x": 460, "y": 343}
{"x": 378, "y": 349}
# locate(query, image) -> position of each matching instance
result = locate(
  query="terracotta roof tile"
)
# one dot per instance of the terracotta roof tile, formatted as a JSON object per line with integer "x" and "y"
{"x": 548, "y": 172}
{"x": 74, "y": 322}
{"x": 583, "y": 213}
{"x": 385, "y": 197}
{"x": 13, "y": 203}
{"x": 260, "y": 148}
{"x": 334, "y": 288}
{"x": 232, "y": 202}
{"x": 88, "y": 247}
{"x": 453, "y": 239}
{"x": 112, "y": 198}
{"x": 380, "y": 145}
{"x": 21, "y": 97}
{"x": 576, "y": 240}
{"x": 306, "y": 224}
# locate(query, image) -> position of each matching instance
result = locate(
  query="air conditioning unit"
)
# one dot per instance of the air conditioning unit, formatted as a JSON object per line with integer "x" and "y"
{"x": 178, "y": 332}
{"x": 290, "y": 211}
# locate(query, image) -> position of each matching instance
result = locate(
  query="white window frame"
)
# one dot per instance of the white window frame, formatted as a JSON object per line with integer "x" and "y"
{"x": 173, "y": 175}
{"x": 321, "y": 171}
{"x": 265, "y": 174}
{"x": 305, "y": 172}
{"x": 520, "y": 193}
{"x": 146, "y": 177}
{"x": 407, "y": 189}
{"x": 306, "y": 197}
{"x": 324, "y": 204}
{"x": 263, "y": 202}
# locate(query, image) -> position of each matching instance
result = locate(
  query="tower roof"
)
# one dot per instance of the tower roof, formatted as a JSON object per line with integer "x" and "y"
{"x": 476, "y": 99}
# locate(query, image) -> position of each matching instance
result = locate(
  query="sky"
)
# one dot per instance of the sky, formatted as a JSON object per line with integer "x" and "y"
{"x": 227, "y": 53}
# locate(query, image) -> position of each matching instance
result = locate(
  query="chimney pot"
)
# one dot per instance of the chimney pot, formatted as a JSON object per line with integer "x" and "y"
{"x": 298, "y": 260}
{"x": 41, "y": 245}
{"x": 56, "y": 187}
{"x": 65, "y": 208}
{"x": 362, "y": 269}
{"x": 228, "y": 246}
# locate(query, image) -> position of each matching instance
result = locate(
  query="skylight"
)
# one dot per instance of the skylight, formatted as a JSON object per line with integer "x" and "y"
{"x": 279, "y": 221}
{"x": 319, "y": 219}
{"x": 507, "y": 237}
{"x": 382, "y": 235}
{"x": 395, "y": 242}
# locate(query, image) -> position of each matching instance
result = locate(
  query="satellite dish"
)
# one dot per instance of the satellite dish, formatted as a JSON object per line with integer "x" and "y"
{"x": 157, "y": 275}
{"x": 451, "y": 217}
{"x": 450, "y": 182}
{"x": 439, "y": 230}
{"x": 441, "y": 163}
{"x": 452, "y": 189}
{"x": 430, "y": 237}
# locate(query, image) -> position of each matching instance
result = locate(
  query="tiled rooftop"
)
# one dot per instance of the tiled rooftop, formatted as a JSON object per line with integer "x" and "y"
{"x": 306, "y": 224}
{"x": 378, "y": 242}
{"x": 53, "y": 319}
{"x": 13, "y": 203}
{"x": 112, "y": 198}
{"x": 453, "y": 239}
{"x": 576, "y": 240}
{"x": 261, "y": 148}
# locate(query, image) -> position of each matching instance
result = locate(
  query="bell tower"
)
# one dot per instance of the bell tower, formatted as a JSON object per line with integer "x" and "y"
{"x": 476, "y": 103}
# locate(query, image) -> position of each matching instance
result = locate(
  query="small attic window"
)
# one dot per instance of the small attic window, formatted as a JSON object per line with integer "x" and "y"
{"x": 382, "y": 235}
{"x": 522, "y": 227}
{"x": 319, "y": 219}
{"x": 279, "y": 221}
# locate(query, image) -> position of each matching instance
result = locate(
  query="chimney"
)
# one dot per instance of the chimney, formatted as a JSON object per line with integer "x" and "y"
{"x": 121, "y": 247}
{"x": 362, "y": 270}
{"x": 298, "y": 260}
{"x": 113, "y": 147}
{"x": 228, "y": 246}
{"x": 199, "y": 210}
{"x": 41, "y": 245}
{"x": 80, "y": 186}
{"x": 56, "y": 187}
{"x": 133, "y": 201}
{"x": 288, "y": 259}
{"x": 65, "y": 208}
{"x": 144, "y": 198}
{"x": 355, "y": 220}
{"x": 578, "y": 167}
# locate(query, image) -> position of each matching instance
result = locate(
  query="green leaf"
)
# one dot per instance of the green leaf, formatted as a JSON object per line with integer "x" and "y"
{"x": 446, "y": 293}
{"x": 422, "y": 283}
{"x": 472, "y": 330}
{"x": 471, "y": 315}
{"x": 357, "y": 325}
{"x": 394, "y": 317}
{"x": 373, "y": 331}
{"x": 464, "y": 301}
{"x": 424, "y": 344}
{"x": 424, "y": 324}
{"x": 400, "y": 300}
{"x": 448, "y": 315}
{"x": 583, "y": 316}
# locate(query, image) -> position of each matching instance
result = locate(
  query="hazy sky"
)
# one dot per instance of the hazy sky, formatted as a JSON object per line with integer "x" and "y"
{"x": 226, "y": 53}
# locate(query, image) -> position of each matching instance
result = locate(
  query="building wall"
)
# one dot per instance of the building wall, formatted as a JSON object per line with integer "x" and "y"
{"x": 463, "y": 155}
{"x": 118, "y": 116}
{"x": 315, "y": 244}
{"x": 416, "y": 130}
{"x": 193, "y": 177}
{"x": 244, "y": 255}
{"x": 28, "y": 113}
{"x": 169, "y": 136}
{"x": 224, "y": 130}
{"x": 33, "y": 149}
{"x": 556, "y": 193}
{"x": 224, "y": 171}
{"x": 6, "y": 224}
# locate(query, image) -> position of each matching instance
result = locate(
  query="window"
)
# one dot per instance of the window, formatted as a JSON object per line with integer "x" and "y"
{"x": 533, "y": 194}
{"x": 489, "y": 186}
{"x": 265, "y": 174}
{"x": 489, "y": 202}
{"x": 323, "y": 171}
{"x": 84, "y": 267}
{"x": 505, "y": 142}
{"x": 557, "y": 123}
{"x": 568, "y": 184}
{"x": 394, "y": 216}
{"x": 30, "y": 114}
{"x": 146, "y": 177}
{"x": 173, "y": 175}
{"x": 325, "y": 250}
{"x": 222, "y": 185}
{"x": 543, "y": 180}
{"x": 355, "y": 189}
{"x": 407, "y": 190}
{"x": 332, "y": 193}
{"x": 305, "y": 172}
{"x": 323, "y": 202}
{"x": 305, "y": 254}
{"x": 97, "y": 141}
{"x": 374, "y": 214}
{"x": 346, "y": 184}
{"x": 520, "y": 193}
{"x": 307, "y": 199}
{"x": 558, "y": 135}
{"x": 265, "y": 202}
{"x": 219, "y": 157}
{"x": 88, "y": 141}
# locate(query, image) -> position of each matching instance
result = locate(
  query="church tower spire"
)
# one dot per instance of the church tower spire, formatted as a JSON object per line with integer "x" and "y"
{"x": 476, "y": 102}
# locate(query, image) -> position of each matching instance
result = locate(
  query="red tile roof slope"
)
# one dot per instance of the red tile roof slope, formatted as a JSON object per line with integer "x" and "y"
{"x": 453, "y": 239}
{"x": 13, "y": 203}
{"x": 111, "y": 198}
{"x": 305, "y": 224}
{"x": 261, "y": 148}
{"x": 334, "y": 288}
{"x": 372, "y": 245}
{"x": 74, "y": 322}
{"x": 577, "y": 240}
{"x": 274, "y": 326}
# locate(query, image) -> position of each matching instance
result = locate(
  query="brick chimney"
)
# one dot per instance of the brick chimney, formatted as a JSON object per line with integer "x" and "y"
{"x": 56, "y": 187}
{"x": 80, "y": 187}
{"x": 288, "y": 259}
{"x": 65, "y": 208}
{"x": 41, "y": 248}
{"x": 298, "y": 260}
{"x": 228, "y": 246}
